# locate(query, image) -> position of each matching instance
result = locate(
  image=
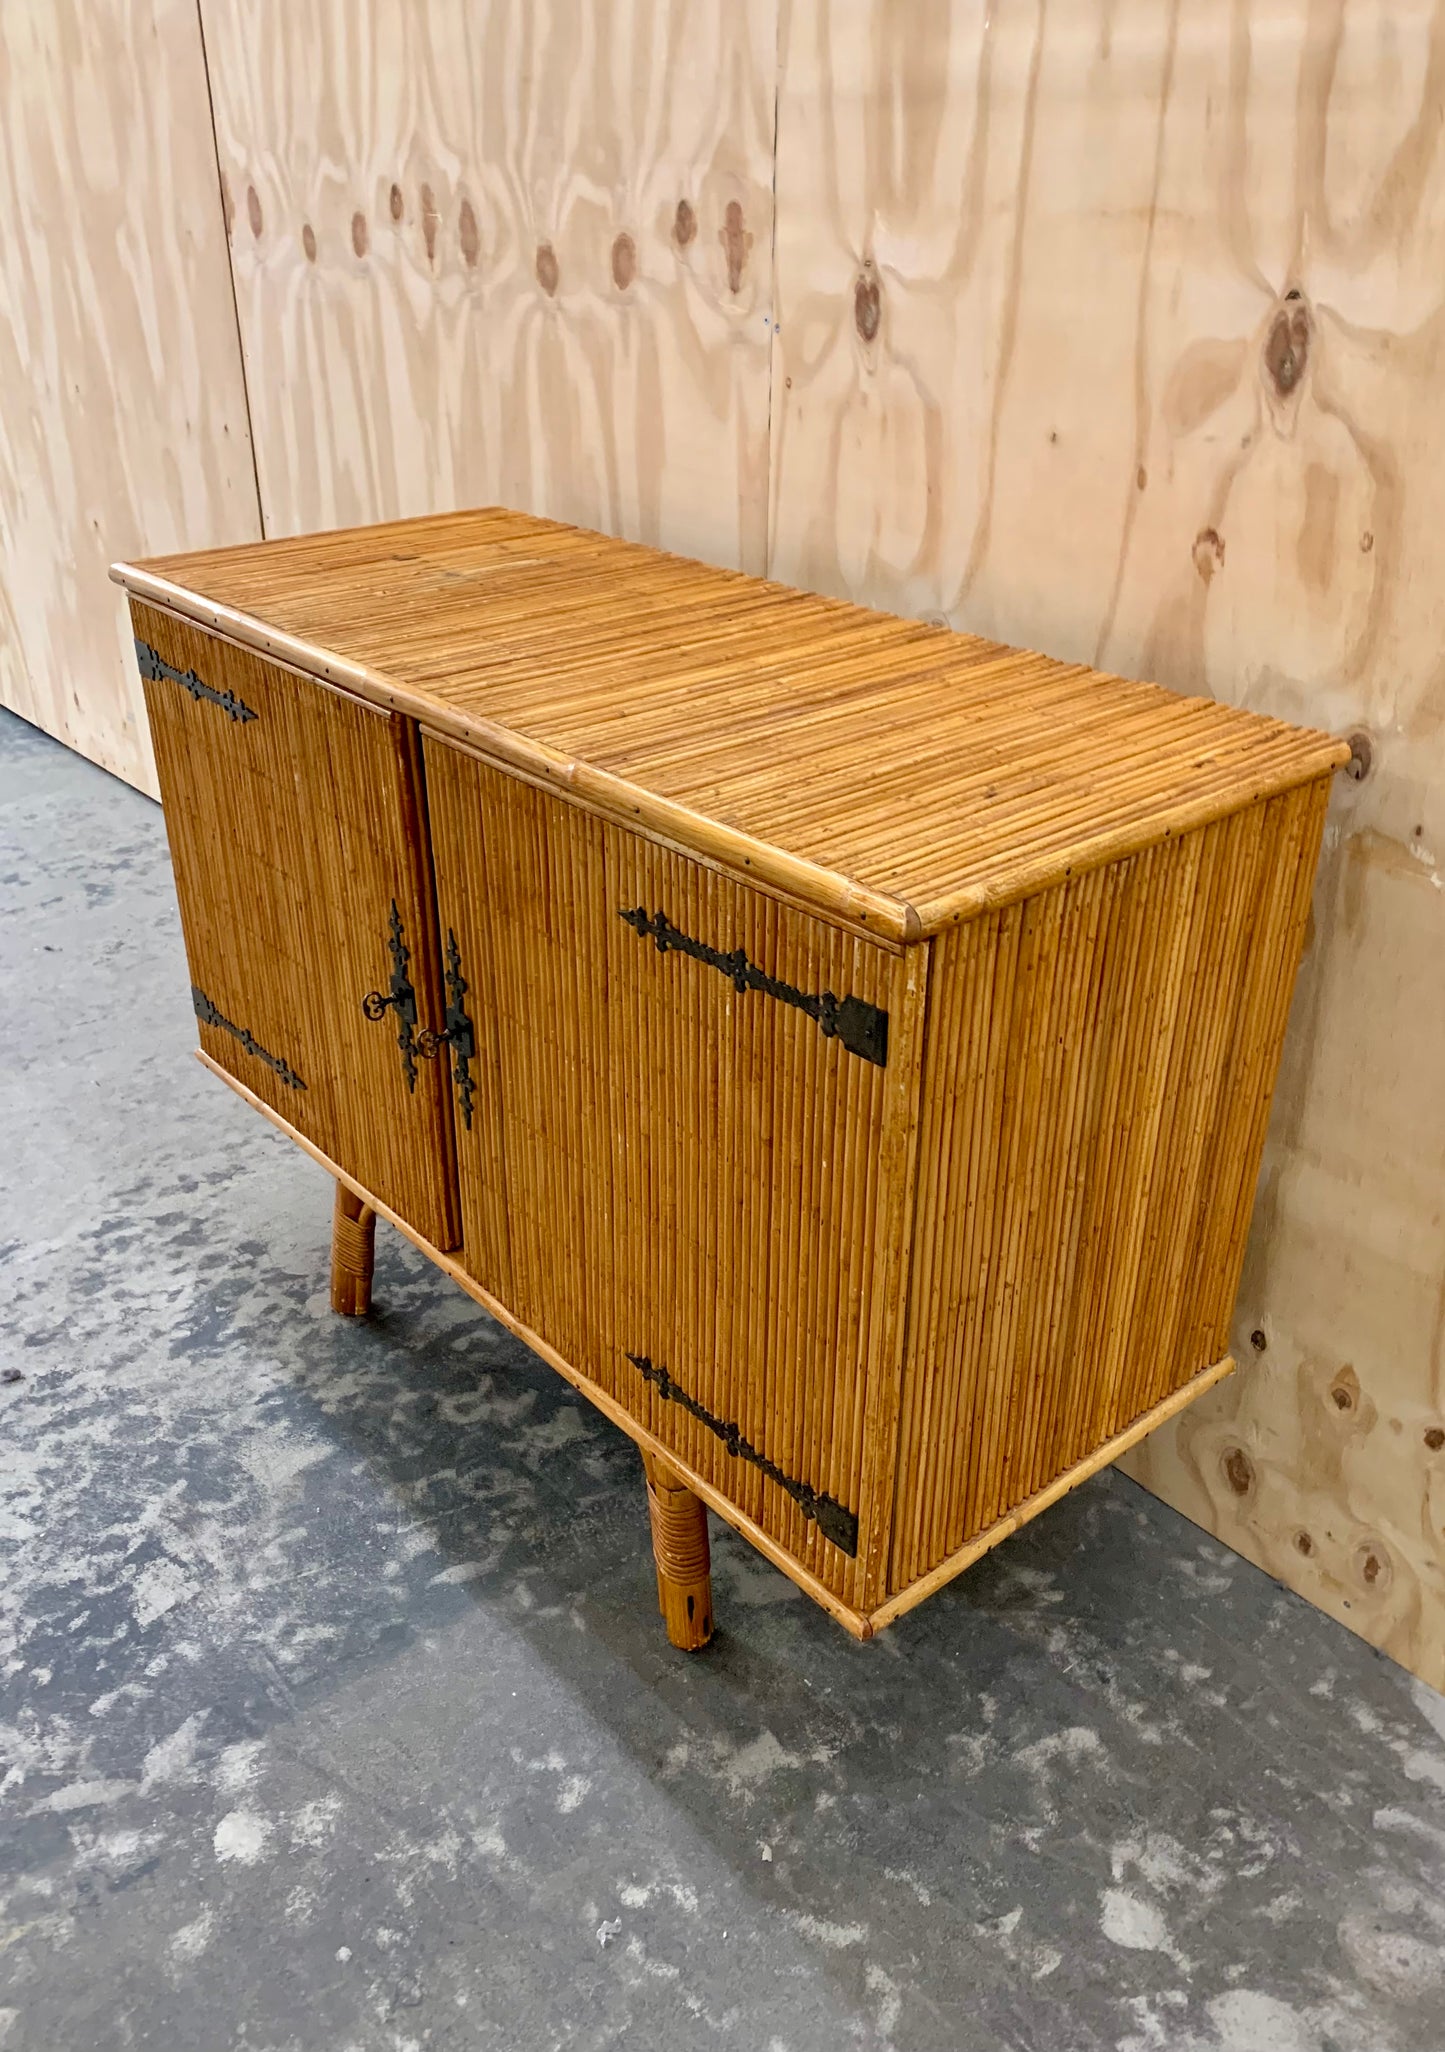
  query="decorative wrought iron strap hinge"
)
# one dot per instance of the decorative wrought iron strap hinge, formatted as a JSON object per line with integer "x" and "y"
{"x": 458, "y": 1034}
{"x": 154, "y": 667}
{"x": 836, "y": 1523}
{"x": 862, "y": 1028}
{"x": 208, "y": 1015}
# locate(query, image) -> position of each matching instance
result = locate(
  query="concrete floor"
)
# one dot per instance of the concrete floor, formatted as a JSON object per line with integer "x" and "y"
{"x": 336, "y": 1712}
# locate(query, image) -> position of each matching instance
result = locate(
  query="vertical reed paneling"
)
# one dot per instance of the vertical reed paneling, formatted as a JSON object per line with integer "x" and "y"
{"x": 291, "y": 834}
{"x": 1246, "y": 1086}
{"x": 688, "y": 1172}
{"x": 1095, "y": 1092}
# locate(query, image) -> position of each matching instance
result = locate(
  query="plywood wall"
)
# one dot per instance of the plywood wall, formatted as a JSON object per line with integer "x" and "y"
{"x": 505, "y": 250}
{"x": 122, "y": 412}
{"x": 1115, "y": 327}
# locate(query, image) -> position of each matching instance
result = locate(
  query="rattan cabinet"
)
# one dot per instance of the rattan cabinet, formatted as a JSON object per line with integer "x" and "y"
{"x": 842, "y": 1048}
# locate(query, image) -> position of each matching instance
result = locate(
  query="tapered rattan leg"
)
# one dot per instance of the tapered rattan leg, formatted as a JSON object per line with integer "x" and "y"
{"x": 353, "y": 1244}
{"x": 679, "y": 1547}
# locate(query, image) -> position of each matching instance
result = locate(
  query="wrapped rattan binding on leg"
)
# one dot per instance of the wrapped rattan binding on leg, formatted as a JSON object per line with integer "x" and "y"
{"x": 353, "y": 1244}
{"x": 680, "y": 1550}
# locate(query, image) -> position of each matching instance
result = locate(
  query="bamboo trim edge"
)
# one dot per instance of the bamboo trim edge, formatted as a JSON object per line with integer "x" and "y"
{"x": 1022, "y": 1514}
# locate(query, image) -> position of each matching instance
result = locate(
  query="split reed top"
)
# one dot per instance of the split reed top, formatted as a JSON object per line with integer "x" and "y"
{"x": 887, "y": 771}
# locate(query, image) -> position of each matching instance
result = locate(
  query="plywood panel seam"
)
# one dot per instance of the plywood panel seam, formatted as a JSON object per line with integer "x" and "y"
{"x": 230, "y": 265}
{"x": 768, "y": 450}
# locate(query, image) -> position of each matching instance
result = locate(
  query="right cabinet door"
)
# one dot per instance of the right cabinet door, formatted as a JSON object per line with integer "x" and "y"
{"x": 690, "y": 1170}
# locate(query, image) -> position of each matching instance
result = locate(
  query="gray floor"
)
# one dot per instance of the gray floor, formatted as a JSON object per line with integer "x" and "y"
{"x": 336, "y": 1712}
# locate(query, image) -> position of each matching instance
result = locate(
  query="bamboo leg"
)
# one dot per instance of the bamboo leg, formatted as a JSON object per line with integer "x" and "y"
{"x": 353, "y": 1243}
{"x": 680, "y": 1550}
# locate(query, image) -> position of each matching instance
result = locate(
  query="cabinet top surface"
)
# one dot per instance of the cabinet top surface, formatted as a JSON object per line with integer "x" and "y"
{"x": 892, "y": 772}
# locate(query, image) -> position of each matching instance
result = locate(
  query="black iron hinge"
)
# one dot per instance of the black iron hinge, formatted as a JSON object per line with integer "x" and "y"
{"x": 208, "y": 1015}
{"x": 834, "y": 1520}
{"x": 154, "y": 667}
{"x": 862, "y": 1028}
{"x": 424, "y": 1044}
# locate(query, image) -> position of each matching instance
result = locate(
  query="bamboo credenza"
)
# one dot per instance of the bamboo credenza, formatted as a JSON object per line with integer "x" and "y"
{"x": 841, "y": 1047}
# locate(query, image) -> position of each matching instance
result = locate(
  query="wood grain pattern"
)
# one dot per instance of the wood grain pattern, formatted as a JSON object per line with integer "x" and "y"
{"x": 122, "y": 411}
{"x": 1115, "y": 329}
{"x": 517, "y": 250}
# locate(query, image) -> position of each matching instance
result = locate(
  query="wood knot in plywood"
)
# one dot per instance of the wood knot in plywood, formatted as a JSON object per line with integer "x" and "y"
{"x": 1208, "y": 552}
{"x": 684, "y": 224}
{"x": 430, "y": 222}
{"x": 548, "y": 269}
{"x": 1434, "y": 1437}
{"x": 1374, "y": 1566}
{"x": 624, "y": 261}
{"x": 1238, "y": 1470}
{"x": 1287, "y": 345}
{"x": 308, "y": 241}
{"x": 469, "y": 235}
{"x": 396, "y": 203}
{"x": 736, "y": 241}
{"x": 1345, "y": 1391}
{"x": 867, "y": 303}
{"x": 253, "y": 210}
{"x": 360, "y": 237}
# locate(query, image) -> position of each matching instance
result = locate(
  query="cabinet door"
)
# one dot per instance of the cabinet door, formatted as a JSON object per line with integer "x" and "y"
{"x": 695, "y": 1172}
{"x": 304, "y": 883}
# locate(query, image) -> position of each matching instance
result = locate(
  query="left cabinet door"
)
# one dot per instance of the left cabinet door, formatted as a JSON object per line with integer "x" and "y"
{"x": 297, "y": 833}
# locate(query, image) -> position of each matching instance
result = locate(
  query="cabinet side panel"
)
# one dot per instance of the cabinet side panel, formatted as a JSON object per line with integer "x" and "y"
{"x": 704, "y": 1191}
{"x": 293, "y": 818}
{"x": 1297, "y": 825}
{"x": 1096, "y": 1085}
